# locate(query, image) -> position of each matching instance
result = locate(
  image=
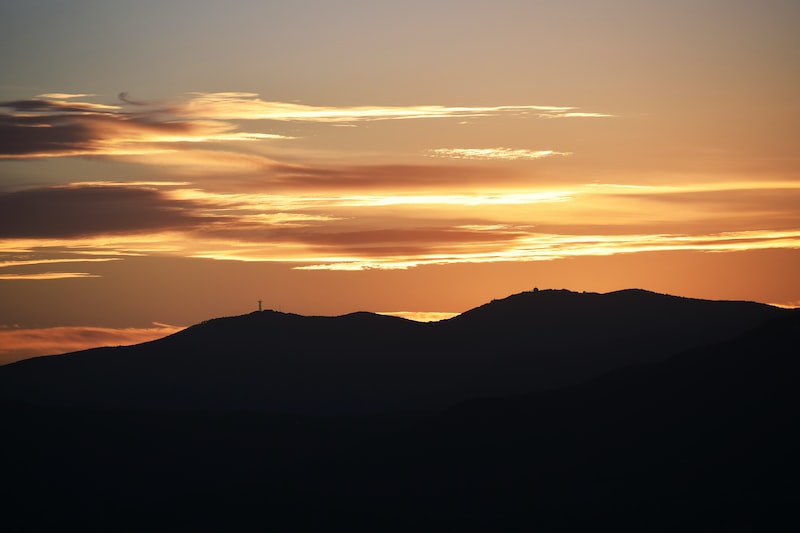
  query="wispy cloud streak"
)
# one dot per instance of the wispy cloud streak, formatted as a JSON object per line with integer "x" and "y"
{"x": 22, "y": 343}
{"x": 66, "y": 125}
{"x": 547, "y": 247}
{"x": 493, "y": 153}
{"x": 316, "y": 214}
{"x": 50, "y": 261}
{"x": 47, "y": 275}
{"x": 356, "y": 231}
{"x": 248, "y": 106}
{"x": 51, "y": 127}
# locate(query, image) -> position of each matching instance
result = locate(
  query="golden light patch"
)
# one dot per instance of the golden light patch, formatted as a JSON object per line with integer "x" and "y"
{"x": 421, "y": 316}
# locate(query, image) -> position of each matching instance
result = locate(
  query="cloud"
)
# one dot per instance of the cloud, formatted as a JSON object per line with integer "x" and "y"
{"x": 575, "y": 114}
{"x": 340, "y": 216}
{"x": 123, "y": 96}
{"x": 259, "y": 211}
{"x": 50, "y": 261}
{"x": 726, "y": 206}
{"x": 252, "y": 174}
{"x": 390, "y": 230}
{"x": 12, "y": 261}
{"x": 342, "y": 237}
{"x": 493, "y": 153}
{"x": 47, "y": 275}
{"x": 65, "y": 96}
{"x": 47, "y": 136}
{"x": 72, "y": 211}
{"x": 754, "y": 198}
{"x": 547, "y": 247}
{"x": 67, "y": 125}
{"x": 37, "y": 128}
{"x": 34, "y": 107}
{"x": 385, "y": 177}
{"x": 248, "y": 106}
{"x": 23, "y": 343}
{"x": 416, "y": 239}
{"x": 345, "y": 242}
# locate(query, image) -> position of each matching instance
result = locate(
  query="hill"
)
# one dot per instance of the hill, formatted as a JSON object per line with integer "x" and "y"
{"x": 704, "y": 439}
{"x": 363, "y": 362}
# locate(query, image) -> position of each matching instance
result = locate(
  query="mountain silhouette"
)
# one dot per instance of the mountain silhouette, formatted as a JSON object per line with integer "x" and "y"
{"x": 363, "y": 362}
{"x": 690, "y": 425}
{"x": 706, "y": 440}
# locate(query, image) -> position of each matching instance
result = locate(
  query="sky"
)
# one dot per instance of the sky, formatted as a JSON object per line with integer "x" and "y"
{"x": 164, "y": 163}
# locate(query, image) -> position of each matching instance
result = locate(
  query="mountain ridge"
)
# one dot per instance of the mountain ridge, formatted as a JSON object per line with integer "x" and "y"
{"x": 701, "y": 440}
{"x": 365, "y": 362}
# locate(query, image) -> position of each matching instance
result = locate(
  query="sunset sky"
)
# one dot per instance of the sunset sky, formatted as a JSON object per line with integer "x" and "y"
{"x": 163, "y": 163}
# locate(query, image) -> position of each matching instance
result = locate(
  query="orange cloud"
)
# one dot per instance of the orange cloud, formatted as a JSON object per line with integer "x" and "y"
{"x": 47, "y": 275}
{"x": 493, "y": 153}
{"x": 73, "y": 211}
{"x": 50, "y": 127}
{"x": 248, "y": 106}
{"x": 50, "y": 261}
{"x": 65, "y": 96}
{"x": 384, "y": 177}
{"x": 384, "y": 216}
{"x": 359, "y": 231}
{"x": 22, "y": 343}
{"x": 65, "y": 125}
{"x": 545, "y": 247}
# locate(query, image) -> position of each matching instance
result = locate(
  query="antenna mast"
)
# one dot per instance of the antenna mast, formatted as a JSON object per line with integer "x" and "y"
{"x": 259, "y": 306}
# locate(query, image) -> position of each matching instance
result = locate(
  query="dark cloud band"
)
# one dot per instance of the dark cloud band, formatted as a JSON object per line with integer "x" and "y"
{"x": 61, "y": 212}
